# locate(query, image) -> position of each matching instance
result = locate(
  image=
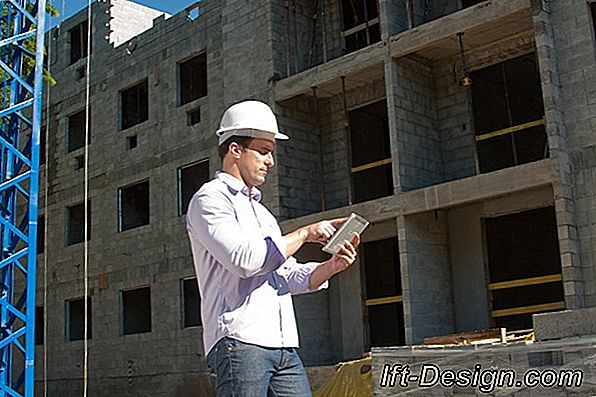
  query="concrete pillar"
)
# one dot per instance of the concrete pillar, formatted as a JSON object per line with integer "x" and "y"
{"x": 426, "y": 278}
{"x": 394, "y": 17}
{"x": 466, "y": 250}
{"x": 345, "y": 307}
{"x": 391, "y": 87}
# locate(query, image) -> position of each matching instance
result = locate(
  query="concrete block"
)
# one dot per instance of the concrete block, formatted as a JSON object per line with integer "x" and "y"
{"x": 568, "y": 323}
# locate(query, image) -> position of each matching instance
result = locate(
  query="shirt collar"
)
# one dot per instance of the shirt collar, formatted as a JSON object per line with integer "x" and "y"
{"x": 235, "y": 185}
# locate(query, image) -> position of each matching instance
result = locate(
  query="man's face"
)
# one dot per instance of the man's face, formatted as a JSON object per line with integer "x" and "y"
{"x": 255, "y": 161}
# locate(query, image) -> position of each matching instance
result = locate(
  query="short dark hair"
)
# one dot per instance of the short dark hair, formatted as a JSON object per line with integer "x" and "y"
{"x": 243, "y": 141}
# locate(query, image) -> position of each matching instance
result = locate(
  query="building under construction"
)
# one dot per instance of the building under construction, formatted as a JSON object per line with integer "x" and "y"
{"x": 464, "y": 130}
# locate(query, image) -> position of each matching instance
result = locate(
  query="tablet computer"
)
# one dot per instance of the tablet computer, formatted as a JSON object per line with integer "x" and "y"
{"x": 354, "y": 224}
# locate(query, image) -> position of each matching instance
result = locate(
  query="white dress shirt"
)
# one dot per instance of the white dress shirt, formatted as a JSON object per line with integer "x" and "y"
{"x": 244, "y": 280}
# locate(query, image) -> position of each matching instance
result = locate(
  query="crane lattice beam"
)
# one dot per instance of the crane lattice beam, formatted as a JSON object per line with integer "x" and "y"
{"x": 22, "y": 26}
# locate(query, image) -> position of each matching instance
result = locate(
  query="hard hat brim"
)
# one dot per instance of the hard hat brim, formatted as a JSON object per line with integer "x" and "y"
{"x": 225, "y": 133}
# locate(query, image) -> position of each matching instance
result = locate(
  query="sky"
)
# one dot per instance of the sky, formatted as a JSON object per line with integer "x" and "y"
{"x": 70, "y": 7}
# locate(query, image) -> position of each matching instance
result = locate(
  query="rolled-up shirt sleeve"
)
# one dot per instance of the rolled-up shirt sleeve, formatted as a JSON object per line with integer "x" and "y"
{"x": 212, "y": 221}
{"x": 297, "y": 275}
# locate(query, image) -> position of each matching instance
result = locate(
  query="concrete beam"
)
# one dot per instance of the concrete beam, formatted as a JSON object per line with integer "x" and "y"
{"x": 445, "y": 195}
{"x": 481, "y": 187}
{"x": 489, "y": 15}
{"x": 319, "y": 75}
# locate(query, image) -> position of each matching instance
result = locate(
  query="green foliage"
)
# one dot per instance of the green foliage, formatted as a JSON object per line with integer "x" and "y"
{"x": 29, "y": 44}
{"x": 51, "y": 10}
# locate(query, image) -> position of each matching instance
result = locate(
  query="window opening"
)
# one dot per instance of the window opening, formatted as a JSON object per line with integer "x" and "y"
{"x": 190, "y": 179}
{"x": 193, "y": 117}
{"x": 75, "y": 317}
{"x": 76, "y": 223}
{"x": 133, "y": 206}
{"x": 193, "y": 78}
{"x": 360, "y": 23}
{"x": 135, "y": 105}
{"x": 78, "y": 41}
{"x": 384, "y": 316}
{"x": 524, "y": 267}
{"x": 191, "y": 303}
{"x": 76, "y": 131}
{"x": 136, "y": 311}
{"x": 509, "y": 114}
{"x": 371, "y": 170}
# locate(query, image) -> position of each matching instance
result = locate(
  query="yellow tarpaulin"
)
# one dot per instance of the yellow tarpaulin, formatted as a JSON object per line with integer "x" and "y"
{"x": 352, "y": 379}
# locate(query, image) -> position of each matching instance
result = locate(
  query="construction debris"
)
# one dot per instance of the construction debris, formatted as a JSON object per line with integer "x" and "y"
{"x": 496, "y": 335}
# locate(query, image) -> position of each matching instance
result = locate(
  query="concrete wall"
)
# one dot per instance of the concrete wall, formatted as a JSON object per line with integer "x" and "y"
{"x": 334, "y": 149}
{"x": 418, "y": 141}
{"x": 583, "y": 164}
{"x": 457, "y": 138}
{"x": 575, "y": 53}
{"x": 129, "y": 19}
{"x": 436, "y": 9}
{"x": 299, "y": 162}
{"x": 299, "y": 41}
{"x": 572, "y": 61}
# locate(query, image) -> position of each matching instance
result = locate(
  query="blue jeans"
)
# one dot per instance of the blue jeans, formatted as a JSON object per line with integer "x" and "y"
{"x": 245, "y": 370}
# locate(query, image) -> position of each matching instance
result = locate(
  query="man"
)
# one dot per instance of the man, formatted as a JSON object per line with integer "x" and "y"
{"x": 244, "y": 265}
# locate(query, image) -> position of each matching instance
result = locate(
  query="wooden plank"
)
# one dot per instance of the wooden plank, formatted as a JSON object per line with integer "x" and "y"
{"x": 383, "y": 301}
{"x": 467, "y": 337}
{"x": 509, "y": 130}
{"x": 526, "y": 281}
{"x": 528, "y": 309}
{"x": 371, "y": 165}
{"x": 360, "y": 27}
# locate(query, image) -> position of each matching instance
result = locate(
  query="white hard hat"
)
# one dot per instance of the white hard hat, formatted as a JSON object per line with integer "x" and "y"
{"x": 253, "y": 119}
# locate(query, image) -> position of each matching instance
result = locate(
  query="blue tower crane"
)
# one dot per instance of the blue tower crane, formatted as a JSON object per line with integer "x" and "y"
{"x": 21, "y": 69}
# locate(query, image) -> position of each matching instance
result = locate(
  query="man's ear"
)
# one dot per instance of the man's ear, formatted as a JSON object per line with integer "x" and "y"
{"x": 235, "y": 149}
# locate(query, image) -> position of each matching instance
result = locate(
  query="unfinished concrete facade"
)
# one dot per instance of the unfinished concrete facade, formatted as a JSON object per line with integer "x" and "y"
{"x": 482, "y": 196}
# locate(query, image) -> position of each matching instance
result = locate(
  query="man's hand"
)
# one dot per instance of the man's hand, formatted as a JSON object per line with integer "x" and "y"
{"x": 321, "y": 232}
{"x": 345, "y": 257}
{"x": 339, "y": 262}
